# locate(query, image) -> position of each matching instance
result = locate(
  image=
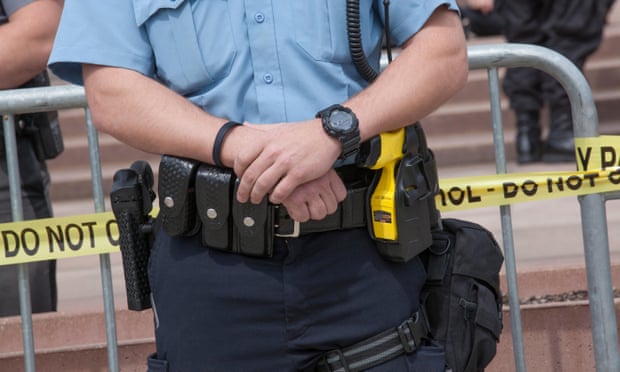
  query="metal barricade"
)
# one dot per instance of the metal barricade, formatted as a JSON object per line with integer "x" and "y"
{"x": 490, "y": 57}
{"x": 40, "y": 100}
{"x": 593, "y": 217}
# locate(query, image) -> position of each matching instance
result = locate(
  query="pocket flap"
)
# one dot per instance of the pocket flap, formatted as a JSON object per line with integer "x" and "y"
{"x": 177, "y": 194}
{"x": 213, "y": 197}
{"x": 143, "y": 10}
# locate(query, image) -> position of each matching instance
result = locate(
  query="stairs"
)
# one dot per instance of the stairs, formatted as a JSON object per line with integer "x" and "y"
{"x": 460, "y": 131}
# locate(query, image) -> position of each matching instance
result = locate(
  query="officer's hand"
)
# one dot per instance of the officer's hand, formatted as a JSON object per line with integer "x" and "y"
{"x": 316, "y": 199}
{"x": 282, "y": 157}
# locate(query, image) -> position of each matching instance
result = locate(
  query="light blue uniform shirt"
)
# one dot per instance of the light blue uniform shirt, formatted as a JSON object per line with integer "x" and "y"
{"x": 261, "y": 61}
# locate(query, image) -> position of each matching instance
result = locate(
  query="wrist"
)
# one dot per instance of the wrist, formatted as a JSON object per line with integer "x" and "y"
{"x": 218, "y": 142}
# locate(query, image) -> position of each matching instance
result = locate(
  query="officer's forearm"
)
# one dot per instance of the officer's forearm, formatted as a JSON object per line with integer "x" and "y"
{"x": 431, "y": 68}
{"x": 146, "y": 115}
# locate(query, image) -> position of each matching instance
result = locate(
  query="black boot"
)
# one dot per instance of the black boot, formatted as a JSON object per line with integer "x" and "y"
{"x": 560, "y": 145}
{"x": 528, "y": 142}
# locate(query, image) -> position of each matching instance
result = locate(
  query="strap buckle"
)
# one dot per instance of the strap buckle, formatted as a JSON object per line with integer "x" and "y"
{"x": 295, "y": 229}
{"x": 407, "y": 334}
{"x": 333, "y": 361}
{"x": 294, "y": 234}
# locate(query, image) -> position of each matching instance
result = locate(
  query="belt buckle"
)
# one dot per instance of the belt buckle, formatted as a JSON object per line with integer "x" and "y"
{"x": 294, "y": 234}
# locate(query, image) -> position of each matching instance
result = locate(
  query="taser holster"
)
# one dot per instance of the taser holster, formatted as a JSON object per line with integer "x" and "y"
{"x": 401, "y": 210}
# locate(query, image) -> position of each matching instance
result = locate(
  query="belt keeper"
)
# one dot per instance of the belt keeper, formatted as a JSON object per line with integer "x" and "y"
{"x": 219, "y": 139}
{"x": 350, "y": 217}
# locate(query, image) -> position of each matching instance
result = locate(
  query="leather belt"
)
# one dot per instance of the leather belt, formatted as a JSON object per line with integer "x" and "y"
{"x": 351, "y": 213}
{"x": 196, "y": 196}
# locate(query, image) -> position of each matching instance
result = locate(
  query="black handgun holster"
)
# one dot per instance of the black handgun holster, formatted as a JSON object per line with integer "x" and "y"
{"x": 132, "y": 197}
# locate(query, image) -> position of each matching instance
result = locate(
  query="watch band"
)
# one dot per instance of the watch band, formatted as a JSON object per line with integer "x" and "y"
{"x": 349, "y": 137}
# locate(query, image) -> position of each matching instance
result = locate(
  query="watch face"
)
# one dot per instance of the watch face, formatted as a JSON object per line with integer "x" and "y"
{"x": 341, "y": 120}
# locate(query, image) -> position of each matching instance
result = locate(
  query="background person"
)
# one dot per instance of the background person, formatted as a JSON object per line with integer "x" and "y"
{"x": 573, "y": 28}
{"x": 26, "y": 36}
{"x": 480, "y": 19}
{"x": 165, "y": 77}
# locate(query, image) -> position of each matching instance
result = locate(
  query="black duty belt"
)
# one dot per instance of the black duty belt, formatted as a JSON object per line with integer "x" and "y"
{"x": 350, "y": 214}
{"x": 195, "y": 196}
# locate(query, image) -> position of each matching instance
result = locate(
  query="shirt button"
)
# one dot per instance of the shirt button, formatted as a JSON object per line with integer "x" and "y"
{"x": 259, "y": 17}
{"x": 268, "y": 78}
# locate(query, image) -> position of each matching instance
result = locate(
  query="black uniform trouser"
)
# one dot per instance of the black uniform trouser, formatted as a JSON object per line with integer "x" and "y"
{"x": 219, "y": 311}
{"x": 36, "y": 204}
{"x": 571, "y": 27}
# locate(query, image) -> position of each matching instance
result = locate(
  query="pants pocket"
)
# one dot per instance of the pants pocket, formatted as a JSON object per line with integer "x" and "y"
{"x": 156, "y": 365}
{"x": 428, "y": 358}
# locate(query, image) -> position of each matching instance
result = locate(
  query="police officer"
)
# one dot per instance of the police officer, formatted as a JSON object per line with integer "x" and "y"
{"x": 573, "y": 28}
{"x": 26, "y": 37}
{"x": 177, "y": 77}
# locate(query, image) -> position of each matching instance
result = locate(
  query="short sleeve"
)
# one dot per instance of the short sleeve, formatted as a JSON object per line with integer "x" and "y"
{"x": 101, "y": 33}
{"x": 407, "y": 17}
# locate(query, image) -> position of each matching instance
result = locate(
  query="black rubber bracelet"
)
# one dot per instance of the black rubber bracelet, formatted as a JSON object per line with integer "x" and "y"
{"x": 219, "y": 139}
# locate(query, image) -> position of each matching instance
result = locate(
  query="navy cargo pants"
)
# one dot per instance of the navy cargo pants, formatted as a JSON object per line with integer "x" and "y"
{"x": 223, "y": 312}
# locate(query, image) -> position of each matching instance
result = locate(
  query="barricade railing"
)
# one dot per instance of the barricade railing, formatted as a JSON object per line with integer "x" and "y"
{"x": 489, "y": 57}
{"x": 20, "y": 101}
{"x": 593, "y": 215}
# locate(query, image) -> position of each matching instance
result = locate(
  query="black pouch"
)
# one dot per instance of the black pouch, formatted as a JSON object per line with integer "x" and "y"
{"x": 42, "y": 128}
{"x": 213, "y": 197}
{"x": 462, "y": 295}
{"x": 253, "y": 227}
{"x": 44, "y": 131}
{"x": 177, "y": 196}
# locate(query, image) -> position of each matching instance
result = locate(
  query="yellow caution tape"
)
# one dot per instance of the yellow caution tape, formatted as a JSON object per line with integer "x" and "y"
{"x": 504, "y": 189}
{"x": 56, "y": 238}
{"x": 601, "y": 152}
{"x": 598, "y": 164}
{"x": 598, "y": 171}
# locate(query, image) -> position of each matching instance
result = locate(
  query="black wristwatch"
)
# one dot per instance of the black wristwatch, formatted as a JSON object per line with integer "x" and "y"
{"x": 342, "y": 124}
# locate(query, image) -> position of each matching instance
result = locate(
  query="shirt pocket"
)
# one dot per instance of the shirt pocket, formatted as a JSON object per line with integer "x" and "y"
{"x": 321, "y": 29}
{"x": 192, "y": 41}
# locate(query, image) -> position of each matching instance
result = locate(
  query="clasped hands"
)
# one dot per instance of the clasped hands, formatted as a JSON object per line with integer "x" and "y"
{"x": 292, "y": 165}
